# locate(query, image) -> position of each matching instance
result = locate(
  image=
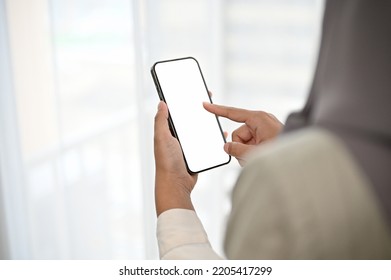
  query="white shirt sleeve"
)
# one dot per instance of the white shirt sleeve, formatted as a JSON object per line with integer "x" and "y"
{"x": 181, "y": 235}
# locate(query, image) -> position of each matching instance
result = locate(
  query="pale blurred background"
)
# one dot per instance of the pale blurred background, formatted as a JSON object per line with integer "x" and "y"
{"x": 77, "y": 104}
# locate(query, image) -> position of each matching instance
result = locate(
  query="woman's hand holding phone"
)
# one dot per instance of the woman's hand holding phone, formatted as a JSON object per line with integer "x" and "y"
{"x": 183, "y": 151}
{"x": 173, "y": 183}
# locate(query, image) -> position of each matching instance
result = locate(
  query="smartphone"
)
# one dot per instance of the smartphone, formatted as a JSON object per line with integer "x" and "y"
{"x": 181, "y": 85}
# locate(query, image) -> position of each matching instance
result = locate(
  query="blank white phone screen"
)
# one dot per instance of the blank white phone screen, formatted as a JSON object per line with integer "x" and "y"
{"x": 198, "y": 131}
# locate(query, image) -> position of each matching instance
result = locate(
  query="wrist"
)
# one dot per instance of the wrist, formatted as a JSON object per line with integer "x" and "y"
{"x": 171, "y": 195}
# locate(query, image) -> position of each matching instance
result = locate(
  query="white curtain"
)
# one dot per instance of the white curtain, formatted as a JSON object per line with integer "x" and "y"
{"x": 77, "y": 108}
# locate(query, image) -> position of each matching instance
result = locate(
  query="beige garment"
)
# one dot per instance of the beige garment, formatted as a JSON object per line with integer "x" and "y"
{"x": 300, "y": 197}
{"x": 180, "y": 235}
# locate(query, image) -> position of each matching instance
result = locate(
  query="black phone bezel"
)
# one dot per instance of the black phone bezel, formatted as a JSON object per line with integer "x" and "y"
{"x": 170, "y": 121}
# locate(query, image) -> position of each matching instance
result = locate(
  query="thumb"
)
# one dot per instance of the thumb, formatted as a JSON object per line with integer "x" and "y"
{"x": 161, "y": 117}
{"x": 237, "y": 149}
